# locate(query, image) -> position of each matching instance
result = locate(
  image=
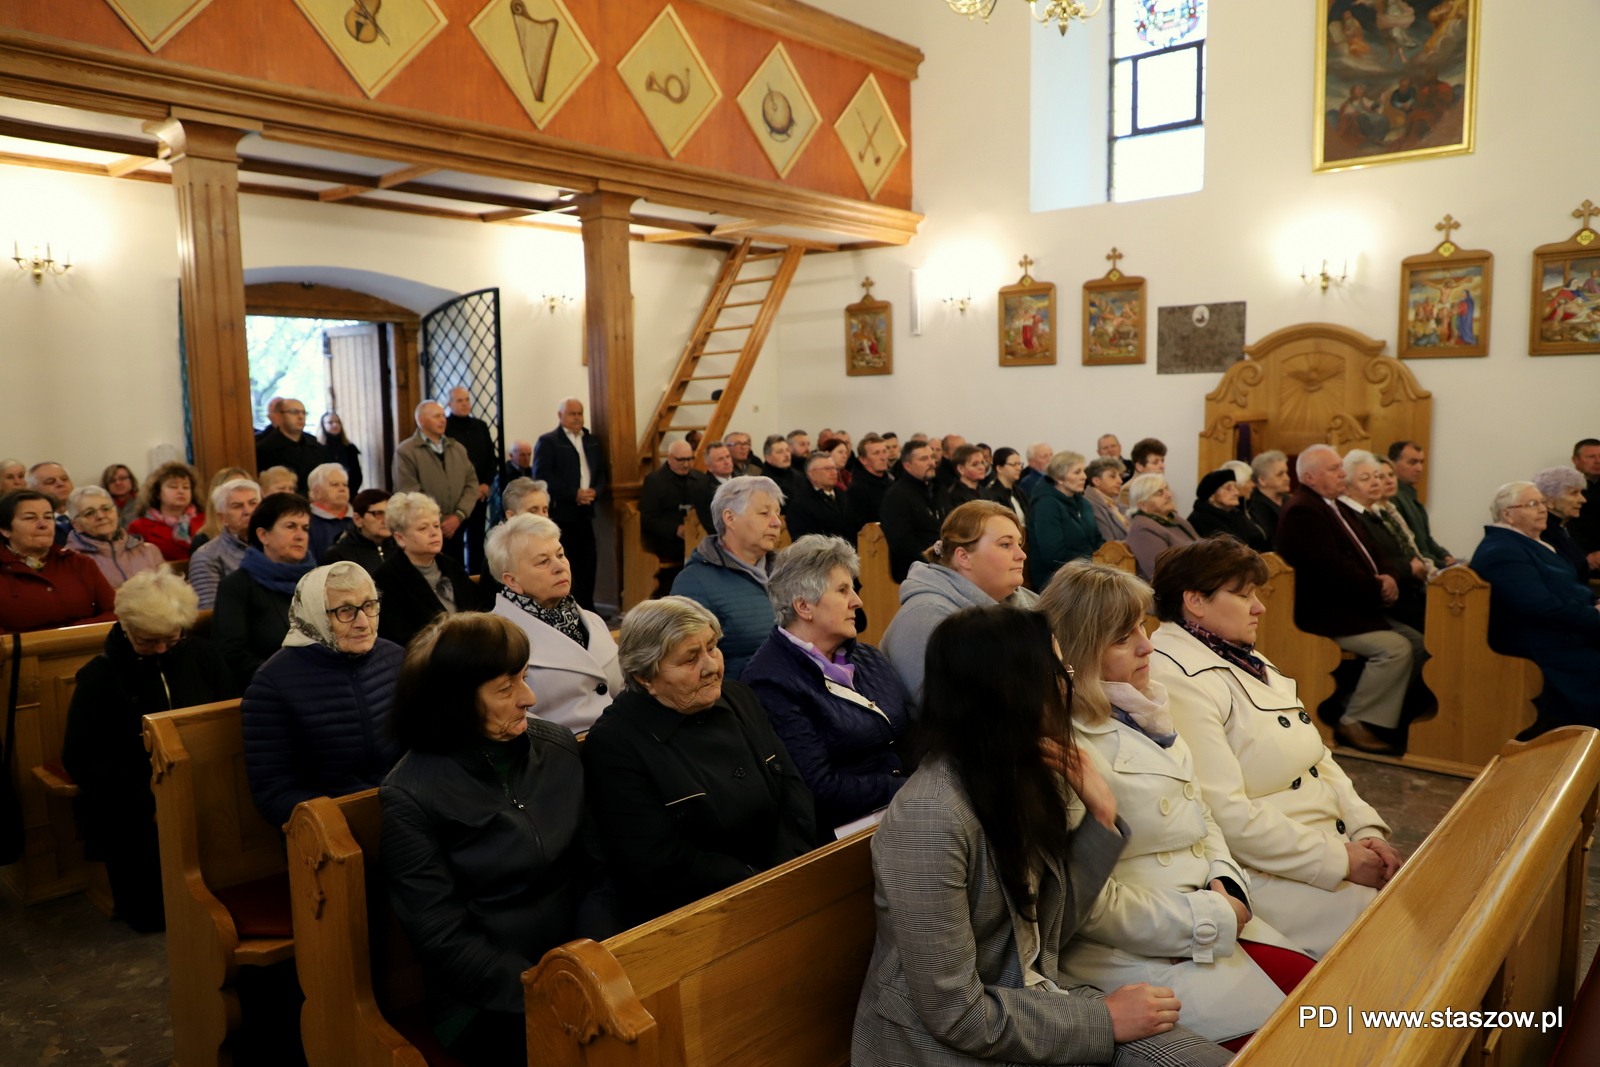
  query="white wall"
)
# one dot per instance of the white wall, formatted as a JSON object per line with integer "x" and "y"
{"x": 1262, "y": 213}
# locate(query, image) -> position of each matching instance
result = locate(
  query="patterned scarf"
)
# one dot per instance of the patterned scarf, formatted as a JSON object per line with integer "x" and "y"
{"x": 179, "y": 526}
{"x": 565, "y": 616}
{"x": 1238, "y": 655}
{"x": 1164, "y": 520}
{"x": 1391, "y": 518}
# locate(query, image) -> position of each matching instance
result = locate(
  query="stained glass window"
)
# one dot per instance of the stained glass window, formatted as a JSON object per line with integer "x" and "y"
{"x": 1157, "y": 98}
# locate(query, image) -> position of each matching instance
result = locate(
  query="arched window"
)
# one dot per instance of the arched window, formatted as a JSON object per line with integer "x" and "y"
{"x": 1158, "y": 80}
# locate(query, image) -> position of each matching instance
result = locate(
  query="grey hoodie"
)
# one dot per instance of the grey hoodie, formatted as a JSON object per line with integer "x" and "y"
{"x": 929, "y": 594}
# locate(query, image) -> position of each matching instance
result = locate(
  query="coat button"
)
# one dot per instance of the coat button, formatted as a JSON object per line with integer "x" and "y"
{"x": 1305, "y": 717}
{"x": 1340, "y": 824}
{"x": 1315, "y": 773}
{"x": 600, "y": 689}
{"x": 1283, "y": 721}
{"x": 1205, "y": 933}
{"x": 738, "y": 772}
{"x": 1164, "y": 858}
{"x": 1188, "y": 790}
{"x": 1166, "y": 806}
{"x": 1295, "y": 784}
{"x": 1198, "y": 848}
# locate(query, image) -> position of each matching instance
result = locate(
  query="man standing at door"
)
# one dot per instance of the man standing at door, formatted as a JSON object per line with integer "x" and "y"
{"x": 476, "y": 437}
{"x": 432, "y": 462}
{"x": 288, "y": 445}
{"x": 570, "y": 461}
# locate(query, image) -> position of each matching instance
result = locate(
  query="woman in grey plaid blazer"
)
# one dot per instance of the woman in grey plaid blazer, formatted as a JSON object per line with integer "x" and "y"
{"x": 982, "y": 877}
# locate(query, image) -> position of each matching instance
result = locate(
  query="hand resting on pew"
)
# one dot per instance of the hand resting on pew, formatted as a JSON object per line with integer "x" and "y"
{"x": 1373, "y": 861}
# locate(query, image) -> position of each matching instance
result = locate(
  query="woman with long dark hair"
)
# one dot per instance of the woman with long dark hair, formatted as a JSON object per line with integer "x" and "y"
{"x": 341, "y": 449}
{"x": 988, "y": 861}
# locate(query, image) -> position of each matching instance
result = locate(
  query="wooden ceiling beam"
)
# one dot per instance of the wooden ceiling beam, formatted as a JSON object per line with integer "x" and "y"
{"x": 119, "y": 168}
{"x": 62, "y": 135}
{"x": 383, "y": 181}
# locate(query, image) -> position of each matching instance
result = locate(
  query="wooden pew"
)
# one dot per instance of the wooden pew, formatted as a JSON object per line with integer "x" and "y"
{"x": 1309, "y": 659}
{"x": 693, "y": 533}
{"x": 1487, "y": 915}
{"x": 223, "y": 877}
{"x": 639, "y": 566}
{"x": 52, "y": 863}
{"x": 765, "y": 972}
{"x": 1485, "y": 699}
{"x": 1117, "y": 554}
{"x": 880, "y": 593}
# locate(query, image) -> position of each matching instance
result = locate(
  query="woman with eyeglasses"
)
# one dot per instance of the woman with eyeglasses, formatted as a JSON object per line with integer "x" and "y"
{"x": 147, "y": 666}
{"x": 1539, "y": 609}
{"x": 316, "y": 714}
{"x": 96, "y": 533}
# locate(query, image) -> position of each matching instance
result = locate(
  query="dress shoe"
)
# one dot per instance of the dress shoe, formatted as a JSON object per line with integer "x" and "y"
{"x": 1357, "y": 735}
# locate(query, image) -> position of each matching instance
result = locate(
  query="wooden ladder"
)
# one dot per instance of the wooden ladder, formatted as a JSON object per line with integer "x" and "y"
{"x": 692, "y": 367}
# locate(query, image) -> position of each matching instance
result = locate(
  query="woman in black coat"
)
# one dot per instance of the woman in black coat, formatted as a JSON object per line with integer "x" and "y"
{"x": 420, "y": 582}
{"x": 1218, "y": 510}
{"x": 485, "y": 845}
{"x": 837, "y": 703}
{"x": 251, "y": 615}
{"x": 690, "y": 787}
{"x": 341, "y": 450}
{"x": 148, "y": 666}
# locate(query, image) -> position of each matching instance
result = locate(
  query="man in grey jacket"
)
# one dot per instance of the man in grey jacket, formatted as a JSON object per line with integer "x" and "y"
{"x": 432, "y": 463}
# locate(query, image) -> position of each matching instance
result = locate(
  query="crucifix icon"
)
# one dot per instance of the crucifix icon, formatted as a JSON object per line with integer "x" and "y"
{"x": 1447, "y": 225}
{"x": 1025, "y": 262}
{"x": 1113, "y": 256}
{"x": 1586, "y": 211}
{"x": 867, "y": 285}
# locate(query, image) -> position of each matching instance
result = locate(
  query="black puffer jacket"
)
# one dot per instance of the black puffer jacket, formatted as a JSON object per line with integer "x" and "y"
{"x": 1209, "y": 520}
{"x": 485, "y": 880}
{"x": 104, "y": 745}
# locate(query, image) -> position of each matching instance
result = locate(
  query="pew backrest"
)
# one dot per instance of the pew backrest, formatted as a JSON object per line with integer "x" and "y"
{"x": 880, "y": 593}
{"x": 1117, "y": 554}
{"x": 1488, "y": 912}
{"x": 639, "y": 566}
{"x": 693, "y": 533}
{"x": 1309, "y": 659}
{"x": 765, "y": 972}
{"x": 1485, "y": 699}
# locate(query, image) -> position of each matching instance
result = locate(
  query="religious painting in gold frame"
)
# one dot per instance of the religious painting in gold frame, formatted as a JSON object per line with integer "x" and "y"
{"x": 1396, "y": 80}
{"x": 1028, "y": 321}
{"x": 1113, "y": 318}
{"x": 869, "y": 335}
{"x": 1565, "y": 318}
{"x": 1444, "y": 300}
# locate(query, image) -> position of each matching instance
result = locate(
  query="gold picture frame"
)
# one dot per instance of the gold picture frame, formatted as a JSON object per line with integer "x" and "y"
{"x": 1445, "y": 296}
{"x": 1028, "y": 323}
{"x": 868, "y": 335}
{"x": 1397, "y": 80}
{"x": 1565, "y": 316}
{"x": 1114, "y": 318}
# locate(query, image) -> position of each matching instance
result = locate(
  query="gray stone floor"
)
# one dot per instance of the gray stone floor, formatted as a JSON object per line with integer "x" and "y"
{"x": 78, "y": 990}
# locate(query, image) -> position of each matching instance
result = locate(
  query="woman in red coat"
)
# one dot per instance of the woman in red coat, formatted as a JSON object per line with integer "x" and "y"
{"x": 172, "y": 516}
{"x": 42, "y": 585}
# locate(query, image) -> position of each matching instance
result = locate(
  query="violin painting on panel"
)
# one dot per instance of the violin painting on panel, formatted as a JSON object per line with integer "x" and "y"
{"x": 374, "y": 39}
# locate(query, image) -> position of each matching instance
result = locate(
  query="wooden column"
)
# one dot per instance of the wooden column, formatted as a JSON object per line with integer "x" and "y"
{"x": 205, "y": 178}
{"x": 608, "y": 320}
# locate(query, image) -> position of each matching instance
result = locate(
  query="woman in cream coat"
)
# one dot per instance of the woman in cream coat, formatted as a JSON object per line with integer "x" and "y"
{"x": 572, "y": 665}
{"x": 1316, "y": 852}
{"x": 1177, "y": 907}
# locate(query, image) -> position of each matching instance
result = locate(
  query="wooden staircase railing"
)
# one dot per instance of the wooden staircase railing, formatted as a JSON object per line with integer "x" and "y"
{"x": 700, "y": 363}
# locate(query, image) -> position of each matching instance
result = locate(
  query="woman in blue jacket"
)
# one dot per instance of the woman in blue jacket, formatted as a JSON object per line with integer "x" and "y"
{"x": 729, "y": 571}
{"x": 1061, "y": 523}
{"x": 837, "y": 704}
{"x": 1538, "y": 608}
{"x": 315, "y": 717}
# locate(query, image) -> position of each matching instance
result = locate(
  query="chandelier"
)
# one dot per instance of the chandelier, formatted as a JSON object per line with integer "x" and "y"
{"x": 1061, "y": 12}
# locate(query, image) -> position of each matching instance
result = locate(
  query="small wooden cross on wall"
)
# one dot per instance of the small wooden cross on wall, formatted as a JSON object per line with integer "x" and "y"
{"x": 1025, "y": 262}
{"x": 1446, "y": 226}
{"x": 866, "y": 285}
{"x": 1586, "y": 211}
{"x": 1114, "y": 256}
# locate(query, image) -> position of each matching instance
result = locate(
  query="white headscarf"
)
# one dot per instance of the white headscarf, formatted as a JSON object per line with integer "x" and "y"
{"x": 309, "y": 621}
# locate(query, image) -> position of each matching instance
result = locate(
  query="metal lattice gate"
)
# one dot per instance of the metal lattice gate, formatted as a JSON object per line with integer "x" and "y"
{"x": 461, "y": 346}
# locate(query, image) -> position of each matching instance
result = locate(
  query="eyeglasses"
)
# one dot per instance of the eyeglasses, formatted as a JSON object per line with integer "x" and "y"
{"x": 347, "y": 612}
{"x": 1540, "y": 504}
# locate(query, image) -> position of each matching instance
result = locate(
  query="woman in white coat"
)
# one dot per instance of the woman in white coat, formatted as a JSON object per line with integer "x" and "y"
{"x": 1316, "y": 852}
{"x": 1177, "y": 909}
{"x": 572, "y": 666}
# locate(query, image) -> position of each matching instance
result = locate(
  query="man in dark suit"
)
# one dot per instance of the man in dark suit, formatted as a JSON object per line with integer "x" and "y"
{"x": 719, "y": 468}
{"x": 822, "y": 507}
{"x": 518, "y": 464}
{"x": 570, "y": 461}
{"x": 474, "y": 435}
{"x": 664, "y": 500}
{"x": 944, "y": 474}
{"x": 288, "y": 445}
{"x": 1344, "y": 589}
{"x": 1409, "y": 462}
{"x": 1585, "y": 526}
{"x": 871, "y": 483}
{"x": 744, "y": 464}
{"x": 779, "y": 465}
{"x": 911, "y": 515}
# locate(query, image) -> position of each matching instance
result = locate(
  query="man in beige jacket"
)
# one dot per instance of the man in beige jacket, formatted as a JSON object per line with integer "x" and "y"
{"x": 429, "y": 462}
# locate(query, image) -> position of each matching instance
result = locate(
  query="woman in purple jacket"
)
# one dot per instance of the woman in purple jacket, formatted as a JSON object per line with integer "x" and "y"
{"x": 837, "y": 704}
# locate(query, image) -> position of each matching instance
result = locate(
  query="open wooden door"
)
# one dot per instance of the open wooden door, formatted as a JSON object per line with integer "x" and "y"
{"x": 358, "y": 388}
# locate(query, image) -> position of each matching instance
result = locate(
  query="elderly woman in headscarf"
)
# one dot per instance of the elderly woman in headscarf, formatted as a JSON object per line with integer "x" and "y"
{"x": 98, "y": 534}
{"x": 316, "y": 714}
{"x": 572, "y": 665}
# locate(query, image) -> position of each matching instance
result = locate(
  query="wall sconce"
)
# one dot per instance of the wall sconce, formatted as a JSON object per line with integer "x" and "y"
{"x": 557, "y": 301}
{"x": 960, "y": 303}
{"x": 38, "y": 265}
{"x": 1324, "y": 278}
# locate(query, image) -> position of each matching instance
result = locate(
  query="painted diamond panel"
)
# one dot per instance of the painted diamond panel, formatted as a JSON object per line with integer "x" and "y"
{"x": 871, "y": 136}
{"x": 374, "y": 39}
{"x": 539, "y": 50}
{"x": 779, "y": 110}
{"x": 670, "y": 81}
{"x": 155, "y": 22}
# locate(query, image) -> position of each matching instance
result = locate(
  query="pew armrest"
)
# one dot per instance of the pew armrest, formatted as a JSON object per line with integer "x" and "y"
{"x": 56, "y": 784}
{"x": 263, "y": 951}
{"x": 580, "y": 992}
